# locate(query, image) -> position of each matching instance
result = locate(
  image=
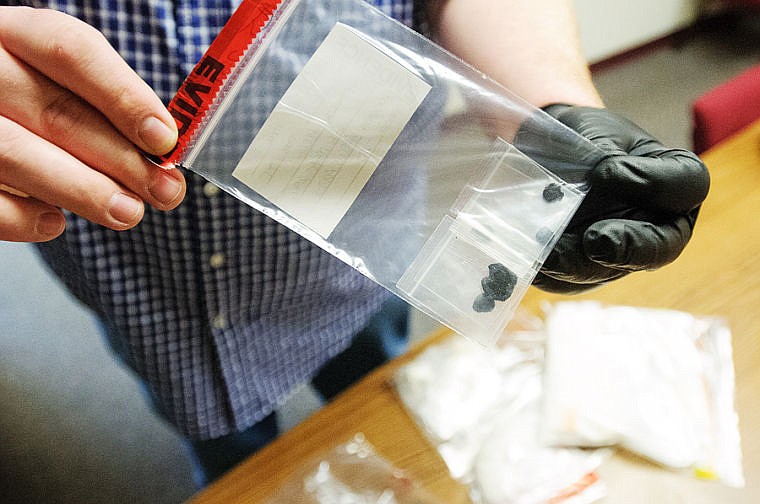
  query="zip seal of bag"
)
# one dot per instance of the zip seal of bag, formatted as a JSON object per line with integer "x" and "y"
{"x": 214, "y": 76}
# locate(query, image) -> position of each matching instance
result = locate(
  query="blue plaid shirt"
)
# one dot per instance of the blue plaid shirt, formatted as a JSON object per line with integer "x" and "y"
{"x": 221, "y": 310}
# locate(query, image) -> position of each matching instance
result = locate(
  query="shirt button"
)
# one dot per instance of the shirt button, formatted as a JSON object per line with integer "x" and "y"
{"x": 210, "y": 189}
{"x": 216, "y": 260}
{"x": 219, "y": 322}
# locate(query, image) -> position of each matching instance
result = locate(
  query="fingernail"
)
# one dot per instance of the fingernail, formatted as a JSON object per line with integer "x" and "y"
{"x": 124, "y": 208}
{"x": 165, "y": 188}
{"x": 50, "y": 224}
{"x": 158, "y": 137}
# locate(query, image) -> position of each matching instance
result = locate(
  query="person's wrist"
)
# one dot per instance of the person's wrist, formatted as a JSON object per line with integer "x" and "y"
{"x": 577, "y": 93}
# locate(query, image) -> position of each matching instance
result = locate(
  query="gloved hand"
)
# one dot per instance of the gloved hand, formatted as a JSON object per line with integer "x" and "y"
{"x": 639, "y": 213}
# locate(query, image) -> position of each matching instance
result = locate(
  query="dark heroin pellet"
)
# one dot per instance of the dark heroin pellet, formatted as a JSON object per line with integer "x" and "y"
{"x": 553, "y": 192}
{"x": 544, "y": 234}
{"x": 483, "y": 304}
{"x": 499, "y": 283}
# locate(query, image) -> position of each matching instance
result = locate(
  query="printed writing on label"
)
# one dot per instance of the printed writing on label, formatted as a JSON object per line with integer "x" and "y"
{"x": 194, "y": 91}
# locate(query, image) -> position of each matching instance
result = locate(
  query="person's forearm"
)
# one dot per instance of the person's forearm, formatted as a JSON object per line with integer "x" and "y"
{"x": 531, "y": 47}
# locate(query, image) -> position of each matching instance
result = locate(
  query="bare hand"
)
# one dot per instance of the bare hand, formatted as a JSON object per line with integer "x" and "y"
{"x": 73, "y": 117}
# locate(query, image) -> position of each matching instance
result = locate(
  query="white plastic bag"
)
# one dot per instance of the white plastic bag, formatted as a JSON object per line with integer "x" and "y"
{"x": 657, "y": 382}
{"x": 481, "y": 410}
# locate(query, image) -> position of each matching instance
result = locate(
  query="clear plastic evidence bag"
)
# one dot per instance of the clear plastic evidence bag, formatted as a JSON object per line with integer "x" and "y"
{"x": 382, "y": 148}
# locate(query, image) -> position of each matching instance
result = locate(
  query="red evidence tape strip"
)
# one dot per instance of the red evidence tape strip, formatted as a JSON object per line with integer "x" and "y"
{"x": 191, "y": 103}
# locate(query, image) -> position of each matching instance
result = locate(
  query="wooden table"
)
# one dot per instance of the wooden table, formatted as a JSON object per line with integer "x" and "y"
{"x": 718, "y": 274}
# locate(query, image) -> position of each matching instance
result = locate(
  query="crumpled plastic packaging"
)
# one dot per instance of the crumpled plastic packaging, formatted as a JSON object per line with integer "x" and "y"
{"x": 351, "y": 473}
{"x": 532, "y": 420}
{"x": 481, "y": 410}
{"x": 657, "y": 382}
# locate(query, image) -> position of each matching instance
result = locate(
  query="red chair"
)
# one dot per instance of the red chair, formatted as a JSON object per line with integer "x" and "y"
{"x": 726, "y": 109}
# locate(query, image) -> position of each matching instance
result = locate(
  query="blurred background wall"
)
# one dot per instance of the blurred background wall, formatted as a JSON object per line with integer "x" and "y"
{"x": 609, "y": 27}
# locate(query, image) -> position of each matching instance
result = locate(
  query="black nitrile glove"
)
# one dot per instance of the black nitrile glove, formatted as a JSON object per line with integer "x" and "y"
{"x": 639, "y": 213}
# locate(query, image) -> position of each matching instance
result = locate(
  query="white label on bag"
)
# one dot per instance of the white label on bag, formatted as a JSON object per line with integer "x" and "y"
{"x": 331, "y": 129}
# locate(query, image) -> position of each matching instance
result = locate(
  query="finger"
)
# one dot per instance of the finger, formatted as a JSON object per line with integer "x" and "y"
{"x": 79, "y": 58}
{"x": 636, "y": 245}
{"x": 36, "y": 167}
{"x": 567, "y": 262}
{"x": 28, "y": 220}
{"x": 56, "y": 114}
{"x": 675, "y": 181}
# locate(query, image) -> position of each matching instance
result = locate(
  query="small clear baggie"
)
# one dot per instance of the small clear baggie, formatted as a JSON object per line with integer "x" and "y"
{"x": 386, "y": 151}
